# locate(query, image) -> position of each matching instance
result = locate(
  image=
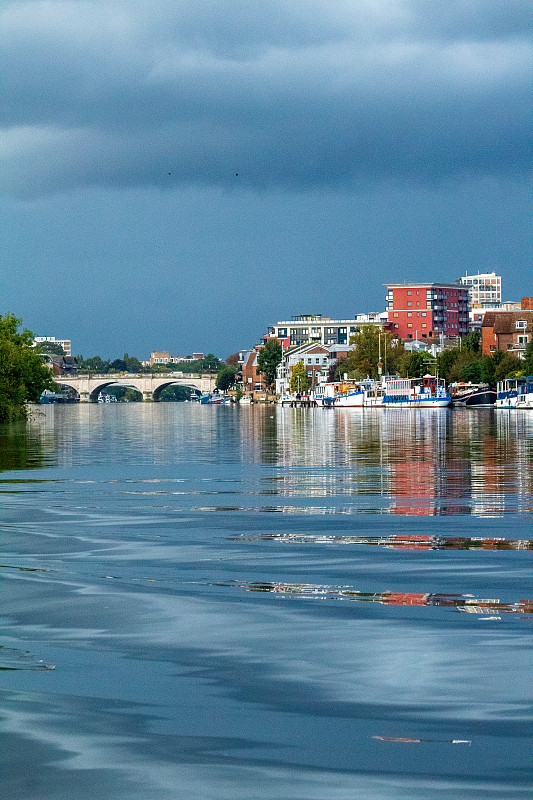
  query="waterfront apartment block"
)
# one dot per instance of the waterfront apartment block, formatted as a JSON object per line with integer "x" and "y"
{"x": 64, "y": 343}
{"x": 320, "y": 330}
{"x": 427, "y": 310}
{"x": 484, "y": 289}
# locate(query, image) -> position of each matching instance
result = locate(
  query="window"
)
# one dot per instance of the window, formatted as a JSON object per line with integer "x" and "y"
{"x": 424, "y": 314}
{"x": 409, "y": 324}
{"x": 396, "y": 326}
{"x": 424, "y": 325}
{"x": 521, "y": 324}
{"x": 317, "y": 361}
{"x": 409, "y": 335}
{"x": 395, "y": 313}
{"x": 409, "y": 293}
{"x": 409, "y": 303}
{"x": 523, "y": 339}
{"x": 409, "y": 313}
{"x": 417, "y": 304}
{"x": 424, "y": 336}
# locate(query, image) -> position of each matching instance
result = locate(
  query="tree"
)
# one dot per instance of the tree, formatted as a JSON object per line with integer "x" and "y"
{"x": 472, "y": 342}
{"x": 225, "y": 378}
{"x": 268, "y": 359}
{"x": 300, "y": 381}
{"x": 417, "y": 364}
{"x": 528, "y": 359}
{"x": 118, "y": 365}
{"x": 363, "y": 360}
{"x": 94, "y": 364}
{"x": 132, "y": 364}
{"x": 175, "y": 394}
{"x": 446, "y": 360}
{"x": 23, "y": 374}
{"x": 54, "y": 348}
{"x": 508, "y": 367}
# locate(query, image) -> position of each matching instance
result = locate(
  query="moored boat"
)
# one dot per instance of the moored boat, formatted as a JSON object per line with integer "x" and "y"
{"x": 427, "y": 392}
{"x": 473, "y": 395}
{"x": 515, "y": 393}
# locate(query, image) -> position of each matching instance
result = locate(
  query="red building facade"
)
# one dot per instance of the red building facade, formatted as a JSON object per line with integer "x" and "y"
{"x": 427, "y": 310}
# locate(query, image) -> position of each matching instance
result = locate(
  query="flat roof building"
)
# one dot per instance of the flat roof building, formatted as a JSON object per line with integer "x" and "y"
{"x": 427, "y": 310}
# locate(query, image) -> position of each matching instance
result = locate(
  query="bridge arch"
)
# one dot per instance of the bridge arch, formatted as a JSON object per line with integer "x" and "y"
{"x": 93, "y": 396}
{"x": 159, "y": 389}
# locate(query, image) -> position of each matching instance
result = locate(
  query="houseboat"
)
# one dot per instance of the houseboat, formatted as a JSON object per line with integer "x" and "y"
{"x": 515, "y": 393}
{"x": 473, "y": 395}
{"x": 344, "y": 394}
{"x": 427, "y": 392}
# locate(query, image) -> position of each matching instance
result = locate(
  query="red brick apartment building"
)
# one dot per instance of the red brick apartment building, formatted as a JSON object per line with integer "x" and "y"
{"x": 425, "y": 310}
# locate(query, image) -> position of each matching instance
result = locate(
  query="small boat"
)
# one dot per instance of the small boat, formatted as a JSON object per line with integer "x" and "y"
{"x": 374, "y": 394}
{"x": 246, "y": 400}
{"x": 473, "y": 395}
{"x": 515, "y": 393}
{"x": 344, "y": 394}
{"x": 427, "y": 392}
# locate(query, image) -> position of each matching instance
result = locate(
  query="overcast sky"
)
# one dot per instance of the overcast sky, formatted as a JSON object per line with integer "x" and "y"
{"x": 179, "y": 174}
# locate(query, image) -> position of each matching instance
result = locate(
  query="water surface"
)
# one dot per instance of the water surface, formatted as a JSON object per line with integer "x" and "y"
{"x": 254, "y": 603}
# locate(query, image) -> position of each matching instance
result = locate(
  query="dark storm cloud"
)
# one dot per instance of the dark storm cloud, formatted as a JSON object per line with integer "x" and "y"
{"x": 293, "y": 95}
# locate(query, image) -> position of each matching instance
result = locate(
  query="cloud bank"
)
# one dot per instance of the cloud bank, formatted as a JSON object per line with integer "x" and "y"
{"x": 261, "y": 95}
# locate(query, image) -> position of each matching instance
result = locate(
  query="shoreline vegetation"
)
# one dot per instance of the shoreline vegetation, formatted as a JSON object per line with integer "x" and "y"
{"x": 24, "y": 374}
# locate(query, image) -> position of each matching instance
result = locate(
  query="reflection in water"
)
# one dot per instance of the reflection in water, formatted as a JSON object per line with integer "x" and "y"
{"x": 138, "y": 559}
{"x": 454, "y": 602}
{"x": 399, "y": 541}
{"x": 22, "y": 447}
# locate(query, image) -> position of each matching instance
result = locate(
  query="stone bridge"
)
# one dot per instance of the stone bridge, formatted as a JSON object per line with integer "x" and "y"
{"x": 150, "y": 386}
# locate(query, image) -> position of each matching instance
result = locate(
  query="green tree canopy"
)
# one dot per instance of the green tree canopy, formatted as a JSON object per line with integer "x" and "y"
{"x": 508, "y": 367}
{"x": 528, "y": 359}
{"x": 300, "y": 381}
{"x": 225, "y": 378}
{"x": 268, "y": 359}
{"x": 132, "y": 364}
{"x": 417, "y": 364}
{"x": 23, "y": 373}
{"x": 362, "y": 361}
{"x": 94, "y": 364}
{"x": 472, "y": 342}
{"x": 54, "y": 348}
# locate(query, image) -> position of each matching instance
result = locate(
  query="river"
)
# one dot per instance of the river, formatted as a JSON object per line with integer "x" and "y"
{"x": 261, "y": 603}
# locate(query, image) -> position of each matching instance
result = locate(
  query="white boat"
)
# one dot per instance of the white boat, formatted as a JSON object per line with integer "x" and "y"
{"x": 426, "y": 392}
{"x": 343, "y": 394}
{"x": 374, "y": 394}
{"x": 246, "y": 400}
{"x": 515, "y": 393}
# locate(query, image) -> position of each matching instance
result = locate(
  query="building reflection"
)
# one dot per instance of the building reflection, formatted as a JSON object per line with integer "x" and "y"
{"x": 413, "y": 463}
{"x": 465, "y": 603}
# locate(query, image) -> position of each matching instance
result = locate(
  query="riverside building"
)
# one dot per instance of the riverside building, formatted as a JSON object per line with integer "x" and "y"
{"x": 427, "y": 310}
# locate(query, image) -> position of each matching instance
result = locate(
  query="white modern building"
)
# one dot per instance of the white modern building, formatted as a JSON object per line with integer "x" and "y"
{"x": 320, "y": 330}
{"x": 484, "y": 289}
{"x": 64, "y": 343}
